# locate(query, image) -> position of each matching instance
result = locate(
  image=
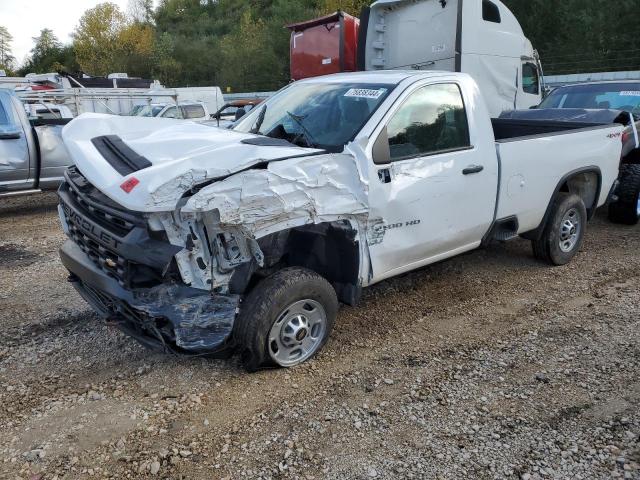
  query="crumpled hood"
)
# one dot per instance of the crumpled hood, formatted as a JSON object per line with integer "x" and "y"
{"x": 183, "y": 155}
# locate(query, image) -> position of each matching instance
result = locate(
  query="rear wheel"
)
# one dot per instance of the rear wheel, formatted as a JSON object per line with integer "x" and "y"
{"x": 286, "y": 319}
{"x": 626, "y": 210}
{"x": 564, "y": 233}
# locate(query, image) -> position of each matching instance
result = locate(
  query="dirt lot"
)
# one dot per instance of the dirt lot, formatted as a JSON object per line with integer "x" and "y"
{"x": 487, "y": 366}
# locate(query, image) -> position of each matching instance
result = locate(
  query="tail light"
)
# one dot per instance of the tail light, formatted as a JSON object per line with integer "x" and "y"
{"x": 625, "y": 137}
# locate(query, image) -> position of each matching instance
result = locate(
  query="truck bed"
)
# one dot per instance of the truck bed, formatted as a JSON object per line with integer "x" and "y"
{"x": 506, "y": 129}
{"x": 531, "y": 165}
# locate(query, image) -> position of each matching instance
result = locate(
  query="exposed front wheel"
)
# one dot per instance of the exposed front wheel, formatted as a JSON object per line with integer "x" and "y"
{"x": 286, "y": 319}
{"x": 564, "y": 233}
{"x": 626, "y": 210}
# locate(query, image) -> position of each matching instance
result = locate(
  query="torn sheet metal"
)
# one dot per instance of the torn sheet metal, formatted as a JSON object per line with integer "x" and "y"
{"x": 201, "y": 321}
{"x": 287, "y": 194}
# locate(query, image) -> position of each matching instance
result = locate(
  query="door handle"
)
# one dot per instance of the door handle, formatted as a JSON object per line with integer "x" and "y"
{"x": 9, "y": 135}
{"x": 471, "y": 169}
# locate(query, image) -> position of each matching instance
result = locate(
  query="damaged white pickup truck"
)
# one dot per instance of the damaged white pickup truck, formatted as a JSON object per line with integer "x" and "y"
{"x": 206, "y": 241}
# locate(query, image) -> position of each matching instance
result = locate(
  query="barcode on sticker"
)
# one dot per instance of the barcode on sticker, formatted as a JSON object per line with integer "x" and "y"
{"x": 365, "y": 93}
{"x": 630, "y": 93}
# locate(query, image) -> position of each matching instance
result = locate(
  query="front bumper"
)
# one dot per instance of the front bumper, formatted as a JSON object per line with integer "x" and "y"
{"x": 167, "y": 317}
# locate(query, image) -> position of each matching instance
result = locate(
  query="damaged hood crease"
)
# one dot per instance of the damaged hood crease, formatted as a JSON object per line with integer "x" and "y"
{"x": 182, "y": 154}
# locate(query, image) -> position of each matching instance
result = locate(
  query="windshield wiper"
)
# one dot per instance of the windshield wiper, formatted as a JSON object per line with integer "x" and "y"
{"x": 256, "y": 128}
{"x": 305, "y": 131}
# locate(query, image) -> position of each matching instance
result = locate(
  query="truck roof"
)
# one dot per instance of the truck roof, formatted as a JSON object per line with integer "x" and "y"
{"x": 392, "y": 77}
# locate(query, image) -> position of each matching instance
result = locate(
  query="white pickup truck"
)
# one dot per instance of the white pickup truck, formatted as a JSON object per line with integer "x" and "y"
{"x": 208, "y": 241}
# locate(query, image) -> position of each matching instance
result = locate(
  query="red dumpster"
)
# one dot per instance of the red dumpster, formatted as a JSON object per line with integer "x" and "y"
{"x": 324, "y": 45}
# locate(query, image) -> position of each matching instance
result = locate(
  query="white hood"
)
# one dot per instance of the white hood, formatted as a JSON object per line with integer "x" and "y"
{"x": 183, "y": 154}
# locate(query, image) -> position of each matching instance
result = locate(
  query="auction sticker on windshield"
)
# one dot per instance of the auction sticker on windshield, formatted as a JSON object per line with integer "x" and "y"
{"x": 630, "y": 93}
{"x": 365, "y": 93}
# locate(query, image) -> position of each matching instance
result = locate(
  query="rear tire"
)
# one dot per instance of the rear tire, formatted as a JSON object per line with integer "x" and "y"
{"x": 564, "y": 232}
{"x": 626, "y": 210}
{"x": 285, "y": 320}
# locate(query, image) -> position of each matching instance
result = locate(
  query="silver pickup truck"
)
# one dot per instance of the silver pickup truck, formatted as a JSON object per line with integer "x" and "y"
{"x": 32, "y": 155}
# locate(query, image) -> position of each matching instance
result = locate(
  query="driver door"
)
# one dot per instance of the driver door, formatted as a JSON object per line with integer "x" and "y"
{"x": 14, "y": 149}
{"x": 432, "y": 192}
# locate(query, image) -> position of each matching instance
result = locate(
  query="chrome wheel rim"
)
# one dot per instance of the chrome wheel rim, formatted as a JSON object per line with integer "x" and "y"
{"x": 297, "y": 333}
{"x": 570, "y": 230}
{"x": 638, "y": 207}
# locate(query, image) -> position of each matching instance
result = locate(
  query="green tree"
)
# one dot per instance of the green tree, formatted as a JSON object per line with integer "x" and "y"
{"x": 107, "y": 41}
{"x": 6, "y": 57}
{"x": 165, "y": 67}
{"x": 96, "y": 39}
{"x": 352, "y": 7}
{"x": 141, "y": 11}
{"x": 46, "y": 54}
{"x": 578, "y": 36}
{"x": 249, "y": 58}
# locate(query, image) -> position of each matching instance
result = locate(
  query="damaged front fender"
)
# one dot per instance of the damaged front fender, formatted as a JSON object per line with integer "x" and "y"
{"x": 201, "y": 322}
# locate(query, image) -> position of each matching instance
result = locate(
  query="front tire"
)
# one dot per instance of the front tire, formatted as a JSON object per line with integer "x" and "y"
{"x": 286, "y": 319}
{"x": 564, "y": 232}
{"x": 626, "y": 210}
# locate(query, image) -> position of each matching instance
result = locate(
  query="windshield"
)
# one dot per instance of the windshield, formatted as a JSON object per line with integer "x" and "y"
{"x": 147, "y": 110}
{"x": 318, "y": 115}
{"x": 616, "y": 96}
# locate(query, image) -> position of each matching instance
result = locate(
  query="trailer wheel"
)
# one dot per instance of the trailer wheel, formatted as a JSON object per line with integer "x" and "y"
{"x": 626, "y": 210}
{"x": 285, "y": 320}
{"x": 564, "y": 233}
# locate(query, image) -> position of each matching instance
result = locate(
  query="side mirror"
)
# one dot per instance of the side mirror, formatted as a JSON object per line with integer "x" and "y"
{"x": 241, "y": 112}
{"x": 10, "y": 132}
{"x": 381, "y": 152}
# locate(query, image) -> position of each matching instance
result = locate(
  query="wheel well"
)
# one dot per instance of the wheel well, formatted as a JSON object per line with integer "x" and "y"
{"x": 633, "y": 157}
{"x": 586, "y": 183}
{"x": 329, "y": 249}
{"x": 587, "y": 186}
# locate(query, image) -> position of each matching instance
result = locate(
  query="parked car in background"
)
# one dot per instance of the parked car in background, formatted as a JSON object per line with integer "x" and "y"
{"x": 196, "y": 111}
{"x": 233, "y": 111}
{"x": 599, "y": 102}
{"x": 32, "y": 154}
{"x": 202, "y": 240}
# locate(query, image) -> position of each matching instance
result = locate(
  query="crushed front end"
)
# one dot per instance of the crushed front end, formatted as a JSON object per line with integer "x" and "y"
{"x": 125, "y": 265}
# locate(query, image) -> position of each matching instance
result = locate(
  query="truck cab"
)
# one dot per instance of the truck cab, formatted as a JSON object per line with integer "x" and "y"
{"x": 32, "y": 155}
{"x": 479, "y": 37}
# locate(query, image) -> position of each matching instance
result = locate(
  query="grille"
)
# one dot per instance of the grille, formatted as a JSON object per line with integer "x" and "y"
{"x": 87, "y": 202}
{"x": 99, "y": 207}
{"x": 108, "y": 260}
{"x": 115, "y": 306}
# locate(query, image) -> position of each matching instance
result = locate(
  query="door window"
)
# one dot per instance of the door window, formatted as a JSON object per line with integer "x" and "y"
{"x": 490, "y": 12}
{"x": 4, "y": 119}
{"x": 432, "y": 120}
{"x": 192, "y": 111}
{"x": 170, "y": 113}
{"x": 530, "y": 78}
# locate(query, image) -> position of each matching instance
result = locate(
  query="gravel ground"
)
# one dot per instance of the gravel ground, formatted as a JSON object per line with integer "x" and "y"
{"x": 486, "y": 366}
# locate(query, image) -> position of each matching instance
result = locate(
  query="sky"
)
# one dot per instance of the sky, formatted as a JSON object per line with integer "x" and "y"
{"x": 25, "y": 19}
